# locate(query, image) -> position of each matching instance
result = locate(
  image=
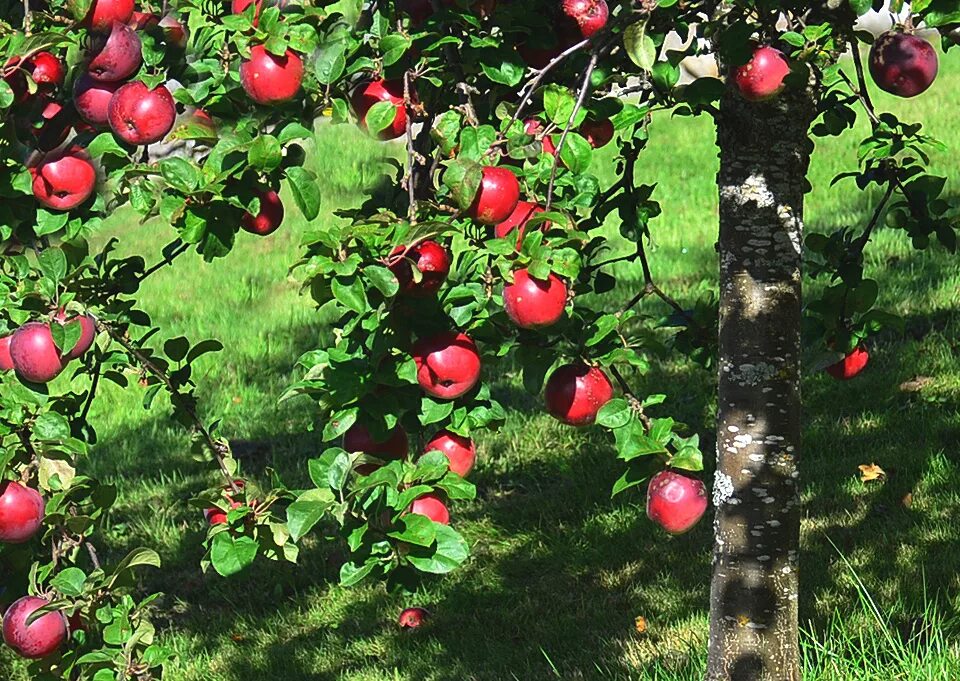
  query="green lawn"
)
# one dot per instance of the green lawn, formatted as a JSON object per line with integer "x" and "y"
{"x": 559, "y": 571}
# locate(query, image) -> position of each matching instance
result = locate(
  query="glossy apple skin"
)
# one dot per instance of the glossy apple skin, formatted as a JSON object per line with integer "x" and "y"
{"x": 39, "y": 639}
{"x": 268, "y": 220}
{"x": 92, "y": 99}
{"x": 35, "y": 355}
{"x": 590, "y": 15}
{"x": 88, "y": 332}
{"x": 534, "y": 303}
{"x": 394, "y": 448}
{"x": 63, "y": 181}
{"x": 575, "y": 393}
{"x": 365, "y": 96}
{"x": 21, "y": 512}
{"x": 431, "y": 506}
{"x": 518, "y": 220}
{"x": 851, "y": 365}
{"x": 903, "y": 64}
{"x": 411, "y": 618}
{"x": 460, "y": 451}
{"x": 139, "y": 115}
{"x": 117, "y": 57}
{"x": 448, "y": 364}
{"x": 217, "y": 516}
{"x": 763, "y": 77}
{"x": 6, "y": 361}
{"x": 597, "y": 133}
{"x": 431, "y": 259}
{"x": 497, "y": 197}
{"x": 269, "y": 79}
{"x": 675, "y": 501}
{"x": 46, "y": 69}
{"x": 534, "y": 127}
{"x": 104, "y": 12}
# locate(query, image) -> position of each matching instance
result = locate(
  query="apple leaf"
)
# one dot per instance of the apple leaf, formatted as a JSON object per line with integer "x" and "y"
{"x": 69, "y": 581}
{"x": 576, "y": 153}
{"x": 380, "y": 117}
{"x": 450, "y": 552}
{"x": 631, "y": 477}
{"x": 306, "y": 192}
{"x": 309, "y": 509}
{"x": 640, "y": 46}
{"x": 180, "y": 174}
{"x": 265, "y": 153}
{"x": 463, "y": 177}
{"x": 614, "y": 414}
{"x": 416, "y": 529}
{"x": 351, "y": 573}
{"x": 231, "y": 555}
{"x": 330, "y": 62}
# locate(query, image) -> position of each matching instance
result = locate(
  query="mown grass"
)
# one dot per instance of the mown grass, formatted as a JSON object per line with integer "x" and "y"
{"x": 559, "y": 571}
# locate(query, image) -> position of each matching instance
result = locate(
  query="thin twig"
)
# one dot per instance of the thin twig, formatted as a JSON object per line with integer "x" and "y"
{"x": 411, "y": 152}
{"x": 584, "y": 89}
{"x": 93, "y": 392}
{"x": 167, "y": 260}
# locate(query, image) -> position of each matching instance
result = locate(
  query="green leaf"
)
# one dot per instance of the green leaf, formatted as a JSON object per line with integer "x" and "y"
{"x": 6, "y": 94}
{"x": 640, "y": 47}
{"x": 463, "y": 178}
{"x": 49, "y": 222}
{"x": 631, "y": 477}
{"x": 265, "y": 153}
{"x": 385, "y": 280}
{"x": 309, "y": 509}
{"x": 380, "y": 117}
{"x": 330, "y": 62}
{"x": 69, "y": 582}
{"x": 558, "y": 103}
{"x": 180, "y": 174}
{"x": 450, "y": 552}
{"x": 230, "y": 556}
{"x": 434, "y": 411}
{"x": 350, "y": 293}
{"x": 51, "y": 427}
{"x": 53, "y": 263}
{"x": 306, "y": 191}
{"x": 576, "y": 153}
{"x": 614, "y": 414}
{"x": 351, "y": 573}
{"x": 416, "y": 529}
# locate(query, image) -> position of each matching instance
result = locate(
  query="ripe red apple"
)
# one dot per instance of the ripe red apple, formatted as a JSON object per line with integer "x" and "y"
{"x": 590, "y": 15}
{"x": 461, "y": 451}
{"x": 217, "y": 516}
{"x": 597, "y": 133}
{"x": 851, "y": 365}
{"x": 903, "y": 64}
{"x": 240, "y": 6}
{"x": 269, "y": 79}
{"x": 38, "y": 639}
{"x": 63, "y": 180}
{"x": 534, "y": 303}
{"x": 448, "y": 364}
{"x": 411, "y": 618}
{"x": 535, "y": 128}
{"x": 431, "y": 506}
{"x": 676, "y": 501}
{"x": 103, "y": 13}
{"x": 763, "y": 76}
{"x": 497, "y": 197}
{"x": 92, "y": 99}
{"x": 365, "y": 96}
{"x": 268, "y": 220}
{"x": 116, "y": 56}
{"x": 139, "y": 115}
{"x": 575, "y": 393}
{"x": 394, "y": 448}
{"x": 46, "y": 69}
{"x": 88, "y": 332}
{"x": 35, "y": 355}
{"x": 21, "y": 512}
{"x": 521, "y": 215}
{"x": 431, "y": 259}
{"x": 173, "y": 31}
{"x": 6, "y": 361}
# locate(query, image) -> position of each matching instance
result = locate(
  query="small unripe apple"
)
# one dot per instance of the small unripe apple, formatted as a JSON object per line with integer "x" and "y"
{"x": 460, "y": 451}
{"x": 116, "y": 56}
{"x": 448, "y": 364}
{"x": 590, "y": 15}
{"x": 268, "y": 220}
{"x": 764, "y": 76}
{"x": 851, "y": 365}
{"x": 103, "y": 13}
{"x": 40, "y": 638}
{"x": 534, "y": 303}
{"x": 91, "y": 99}
{"x": 365, "y": 96}
{"x": 675, "y": 501}
{"x": 433, "y": 262}
{"x": 88, "y": 332}
{"x": 63, "y": 180}
{"x": 139, "y": 115}
{"x": 597, "y": 133}
{"x": 6, "y": 361}
{"x": 394, "y": 448}
{"x": 411, "y": 618}
{"x": 497, "y": 197}
{"x": 903, "y": 64}
{"x": 575, "y": 393}
{"x": 46, "y": 69}
{"x": 522, "y": 214}
{"x": 35, "y": 355}
{"x": 535, "y": 128}
{"x": 431, "y": 506}
{"x": 269, "y": 79}
{"x": 21, "y": 512}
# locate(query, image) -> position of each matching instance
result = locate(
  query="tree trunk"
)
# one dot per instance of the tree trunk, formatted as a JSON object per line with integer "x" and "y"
{"x": 764, "y": 154}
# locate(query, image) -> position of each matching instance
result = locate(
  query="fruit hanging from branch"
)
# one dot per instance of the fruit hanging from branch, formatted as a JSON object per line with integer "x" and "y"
{"x": 851, "y": 365}
{"x": 139, "y": 115}
{"x": 459, "y": 450}
{"x": 448, "y": 364}
{"x": 764, "y": 76}
{"x": 575, "y": 393}
{"x": 63, "y": 180}
{"x": 497, "y": 197}
{"x": 34, "y": 353}
{"x": 270, "y": 216}
{"x": 116, "y": 56}
{"x": 676, "y": 501}
{"x": 903, "y": 64}
{"x": 21, "y": 512}
{"x": 533, "y": 303}
{"x": 370, "y": 94}
{"x": 270, "y": 79}
{"x": 432, "y": 262}
{"x": 431, "y": 506}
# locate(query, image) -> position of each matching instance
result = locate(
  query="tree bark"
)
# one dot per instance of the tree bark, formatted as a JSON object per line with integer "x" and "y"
{"x": 764, "y": 155}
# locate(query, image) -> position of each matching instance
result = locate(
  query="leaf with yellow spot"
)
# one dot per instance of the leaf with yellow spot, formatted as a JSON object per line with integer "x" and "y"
{"x": 871, "y": 472}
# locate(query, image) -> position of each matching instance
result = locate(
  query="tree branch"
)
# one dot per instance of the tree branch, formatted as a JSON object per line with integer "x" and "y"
{"x": 584, "y": 89}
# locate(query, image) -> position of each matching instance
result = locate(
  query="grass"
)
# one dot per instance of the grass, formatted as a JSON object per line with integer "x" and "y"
{"x": 560, "y": 572}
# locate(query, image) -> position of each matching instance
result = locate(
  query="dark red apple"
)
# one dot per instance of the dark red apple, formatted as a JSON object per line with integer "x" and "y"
{"x": 6, "y": 361}
{"x": 63, "y": 180}
{"x": 590, "y": 15}
{"x": 497, "y": 197}
{"x": 35, "y": 355}
{"x": 903, "y": 64}
{"x": 21, "y": 512}
{"x": 460, "y": 451}
{"x": 46, "y": 69}
{"x": 431, "y": 506}
{"x": 851, "y": 365}
{"x": 575, "y": 393}
{"x": 173, "y": 31}
{"x": 365, "y": 96}
{"x": 411, "y": 618}
{"x": 116, "y": 56}
{"x": 597, "y": 133}
{"x": 269, "y": 79}
{"x": 103, "y": 13}
{"x": 521, "y": 215}
{"x": 763, "y": 77}
{"x": 88, "y": 332}
{"x": 448, "y": 364}
{"x": 433, "y": 262}
{"x": 535, "y": 128}
{"x": 268, "y": 220}
{"x": 139, "y": 115}
{"x": 394, "y": 448}
{"x": 676, "y": 501}
{"x": 38, "y": 639}
{"x": 92, "y": 99}
{"x": 144, "y": 21}
{"x": 534, "y": 303}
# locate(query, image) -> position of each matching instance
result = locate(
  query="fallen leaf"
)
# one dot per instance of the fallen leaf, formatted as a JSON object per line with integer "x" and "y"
{"x": 641, "y": 624}
{"x": 915, "y": 385}
{"x": 907, "y": 500}
{"x": 870, "y": 472}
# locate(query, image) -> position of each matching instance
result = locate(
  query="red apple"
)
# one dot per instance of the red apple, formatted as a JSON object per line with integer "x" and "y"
{"x": 269, "y": 79}
{"x": 240, "y": 6}
{"x": 851, "y": 365}
{"x": 46, "y": 69}
{"x": 903, "y": 64}
{"x": 448, "y": 364}
{"x": 433, "y": 262}
{"x": 173, "y": 31}
{"x": 270, "y": 216}
{"x": 6, "y": 361}
{"x": 497, "y": 197}
{"x": 431, "y": 506}
{"x": 461, "y": 451}
{"x": 103, "y": 13}
{"x": 676, "y": 501}
{"x": 144, "y": 21}
{"x": 139, "y": 115}
{"x": 575, "y": 393}
{"x": 116, "y": 56}
{"x": 394, "y": 448}
{"x": 63, "y": 180}
{"x": 35, "y": 355}
{"x": 92, "y": 99}
{"x": 535, "y": 128}
{"x": 521, "y": 215}
{"x": 21, "y": 512}
{"x": 597, "y": 133}
{"x": 53, "y": 126}
{"x": 763, "y": 76}
{"x": 590, "y": 15}
{"x": 38, "y": 639}
{"x": 88, "y": 332}
{"x": 217, "y": 516}
{"x": 534, "y": 303}
{"x": 411, "y": 618}
{"x": 365, "y": 96}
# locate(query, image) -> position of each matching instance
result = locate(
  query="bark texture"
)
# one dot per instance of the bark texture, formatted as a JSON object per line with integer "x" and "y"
{"x": 764, "y": 154}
